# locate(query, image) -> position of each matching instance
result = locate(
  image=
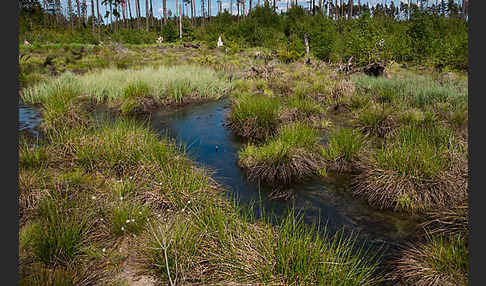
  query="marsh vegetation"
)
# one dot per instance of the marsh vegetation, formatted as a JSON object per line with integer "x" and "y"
{"x": 105, "y": 199}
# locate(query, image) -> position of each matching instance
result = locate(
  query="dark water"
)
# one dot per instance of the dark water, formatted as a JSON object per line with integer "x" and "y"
{"x": 202, "y": 130}
{"x": 29, "y": 119}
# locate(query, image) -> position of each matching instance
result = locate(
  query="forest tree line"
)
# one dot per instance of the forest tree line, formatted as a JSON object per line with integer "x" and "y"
{"x": 433, "y": 32}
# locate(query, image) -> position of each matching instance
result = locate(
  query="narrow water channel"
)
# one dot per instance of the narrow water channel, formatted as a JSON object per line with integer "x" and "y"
{"x": 29, "y": 119}
{"x": 201, "y": 129}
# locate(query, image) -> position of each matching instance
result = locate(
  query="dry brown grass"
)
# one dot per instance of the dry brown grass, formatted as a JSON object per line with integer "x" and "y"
{"x": 439, "y": 261}
{"x": 300, "y": 165}
{"x": 450, "y": 221}
{"x": 388, "y": 189}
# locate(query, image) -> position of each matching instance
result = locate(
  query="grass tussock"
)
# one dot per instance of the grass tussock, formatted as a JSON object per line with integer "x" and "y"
{"x": 305, "y": 106}
{"x": 253, "y": 116}
{"x": 343, "y": 148}
{"x": 292, "y": 154}
{"x": 376, "y": 120}
{"x": 422, "y": 168}
{"x": 450, "y": 221}
{"x": 439, "y": 261}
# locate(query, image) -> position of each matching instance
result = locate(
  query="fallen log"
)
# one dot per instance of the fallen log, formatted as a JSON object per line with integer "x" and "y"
{"x": 373, "y": 69}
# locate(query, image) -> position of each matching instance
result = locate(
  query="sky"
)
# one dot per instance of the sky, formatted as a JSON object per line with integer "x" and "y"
{"x": 171, "y": 4}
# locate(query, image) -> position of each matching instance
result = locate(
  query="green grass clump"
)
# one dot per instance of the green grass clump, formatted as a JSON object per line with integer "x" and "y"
{"x": 166, "y": 85}
{"x": 290, "y": 154}
{"x": 56, "y": 238}
{"x": 254, "y": 116}
{"x": 439, "y": 261}
{"x": 32, "y": 157}
{"x": 244, "y": 251}
{"x": 332, "y": 258}
{"x": 99, "y": 148}
{"x": 136, "y": 90}
{"x": 422, "y": 167}
{"x": 417, "y": 151}
{"x": 343, "y": 147}
{"x": 305, "y": 105}
{"x": 376, "y": 120}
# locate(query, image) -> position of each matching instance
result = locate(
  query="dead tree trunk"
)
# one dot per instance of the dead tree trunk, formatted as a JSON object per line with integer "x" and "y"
{"x": 79, "y": 13}
{"x": 192, "y": 12}
{"x": 129, "y": 14}
{"x": 350, "y": 15}
{"x": 202, "y": 12}
{"x": 164, "y": 3}
{"x": 180, "y": 22}
{"x": 111, "y": 17}
{"x": 147, "y": 15}
{"x": 137, "y": 7}
{"x": 341, "y": 13}
{"x": 93, "y": 18}
{"x": 306, "y": 42}
{"x": 336, "y": 10}
{"x": 71, "y": 14}
{"x": 123, "y": 7}
{"x": 85, "y": 13}
{"x": 151, "y": 15}
{"x": 209, "y": 10}
{"x": 99, "y": 19}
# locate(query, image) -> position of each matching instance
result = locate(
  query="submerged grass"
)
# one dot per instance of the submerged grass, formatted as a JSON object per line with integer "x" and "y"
{"x": 292, "y": 154}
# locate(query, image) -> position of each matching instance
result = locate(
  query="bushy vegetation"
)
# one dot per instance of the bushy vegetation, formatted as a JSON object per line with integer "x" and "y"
{"x": 427, "y": 38}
